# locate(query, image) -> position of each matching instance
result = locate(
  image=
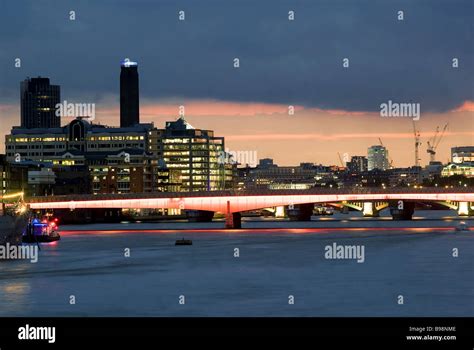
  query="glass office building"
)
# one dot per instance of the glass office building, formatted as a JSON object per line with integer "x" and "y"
{"x": 192, "y": 157}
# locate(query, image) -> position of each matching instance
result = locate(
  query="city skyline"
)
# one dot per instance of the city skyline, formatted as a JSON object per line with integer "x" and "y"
{"x": 280, "y": 143}
{"x": 187, "y": 62}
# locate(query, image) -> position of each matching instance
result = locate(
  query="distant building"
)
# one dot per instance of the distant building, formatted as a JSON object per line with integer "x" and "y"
{"x": 374, "y": 178}
{"x": 464, "y": 169}
{"x": 274, "y": 177}
{"x": 88, "y": 157}
{"x": 30, "y": 177}
{"x": 266, "y": 163}
{"x": 462, "y": 154}
{"x": 43, "y": 144}
{"x": 377, "y": 158}
{"x": 358, "y": 164}
{"x": 462, "y": 162}
{"x": 129, "y": 94}
{"x": 433, "y": 170}
{"x": 405, "y": 176}
{"x": 123, "y": 171}
{"x": 38, "y": 103}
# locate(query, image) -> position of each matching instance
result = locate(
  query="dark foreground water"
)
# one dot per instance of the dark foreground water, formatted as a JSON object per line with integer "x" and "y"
{"x": 410, "y": 259}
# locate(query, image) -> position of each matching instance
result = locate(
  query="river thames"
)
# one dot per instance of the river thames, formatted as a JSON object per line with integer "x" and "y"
{"x": 267, "y": 268}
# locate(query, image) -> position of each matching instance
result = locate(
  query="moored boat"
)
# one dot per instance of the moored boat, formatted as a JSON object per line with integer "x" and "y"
{"x": 41, "y": 231}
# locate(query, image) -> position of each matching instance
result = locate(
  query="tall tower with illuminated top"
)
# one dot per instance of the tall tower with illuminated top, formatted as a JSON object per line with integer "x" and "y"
{"x": 129, "y": 96}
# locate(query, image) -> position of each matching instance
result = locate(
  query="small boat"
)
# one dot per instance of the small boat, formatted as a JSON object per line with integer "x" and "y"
{"x": 183, "y": 242}
{"x": 41, "y": 232}
{"x": 40, "y": 238}
{"x": 462, "y": 227}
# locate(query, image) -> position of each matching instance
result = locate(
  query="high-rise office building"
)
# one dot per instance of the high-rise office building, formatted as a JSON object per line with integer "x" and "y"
{"x": 377, "y": 158}
{"x": 129, "y": 96}
{"x": 38, "y": 103}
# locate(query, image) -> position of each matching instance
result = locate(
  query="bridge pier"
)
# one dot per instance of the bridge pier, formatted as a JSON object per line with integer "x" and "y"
{"x": 233, "y": 220}
{"x": 402, "y": 210}
{"x": 301, "y": 212}
{"x": 199, "y": 215}
{"x": 465, "y": 209}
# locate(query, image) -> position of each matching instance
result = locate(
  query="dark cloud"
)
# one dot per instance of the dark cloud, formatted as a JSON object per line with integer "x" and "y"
{"x": 297, "y": 62}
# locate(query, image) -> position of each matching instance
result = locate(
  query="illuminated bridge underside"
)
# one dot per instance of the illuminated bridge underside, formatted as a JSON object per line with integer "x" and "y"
{"x": 234, "y": 204}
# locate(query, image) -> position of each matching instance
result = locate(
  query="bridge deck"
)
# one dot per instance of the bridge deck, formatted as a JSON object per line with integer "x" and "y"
{"x": 231, "y": 193}
{"x": 235, "y": 201}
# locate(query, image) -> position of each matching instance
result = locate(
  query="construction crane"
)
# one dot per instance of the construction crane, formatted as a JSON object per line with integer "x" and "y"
{"x": 340, "y": 160}
{"x": 390, "y": 160}
{"x": 416, "y": 133}
{"x": 434, "y": 142}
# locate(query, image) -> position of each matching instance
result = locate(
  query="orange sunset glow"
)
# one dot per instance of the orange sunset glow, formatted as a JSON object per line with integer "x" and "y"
{"x": 310, "y": 134}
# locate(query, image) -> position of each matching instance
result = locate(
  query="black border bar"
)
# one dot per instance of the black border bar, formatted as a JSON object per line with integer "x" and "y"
{"x": 87, "y": 331}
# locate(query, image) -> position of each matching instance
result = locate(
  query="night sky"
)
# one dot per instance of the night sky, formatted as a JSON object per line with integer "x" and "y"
{"x": 282, "y": 63}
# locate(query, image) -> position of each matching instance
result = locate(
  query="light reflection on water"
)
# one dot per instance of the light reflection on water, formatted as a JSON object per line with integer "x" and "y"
{"x": 14, "y": 296}
{"x": 15, "y": 289}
